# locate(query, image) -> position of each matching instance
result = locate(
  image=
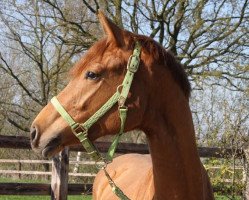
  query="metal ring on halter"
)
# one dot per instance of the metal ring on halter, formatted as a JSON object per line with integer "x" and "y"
{"x": 119, "y": 89}
{"x": 121, "y": 99}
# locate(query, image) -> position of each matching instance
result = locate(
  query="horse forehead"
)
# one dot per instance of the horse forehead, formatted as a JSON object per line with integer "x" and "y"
{"x": 113, "y": 58}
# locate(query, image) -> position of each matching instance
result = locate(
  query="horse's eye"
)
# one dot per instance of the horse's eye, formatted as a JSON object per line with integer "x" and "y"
{"x": 91, "y": 75}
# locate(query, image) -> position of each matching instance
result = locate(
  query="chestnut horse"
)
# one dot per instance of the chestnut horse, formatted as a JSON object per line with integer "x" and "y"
{"x": 158, "y": 104}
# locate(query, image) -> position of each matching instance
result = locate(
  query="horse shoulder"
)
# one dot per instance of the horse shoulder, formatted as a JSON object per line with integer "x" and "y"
{"x": 132, "y": 173}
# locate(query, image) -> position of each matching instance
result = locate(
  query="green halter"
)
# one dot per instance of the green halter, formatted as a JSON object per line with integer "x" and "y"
{"x": 81, "y": 129}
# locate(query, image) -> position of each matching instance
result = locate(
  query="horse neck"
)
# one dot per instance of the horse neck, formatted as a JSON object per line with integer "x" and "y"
{"x": 171, "y": 138}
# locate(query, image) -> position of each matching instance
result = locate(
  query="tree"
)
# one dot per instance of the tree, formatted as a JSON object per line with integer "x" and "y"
{"x": 43, "y": 38}
{"x": 38, "y": 62}
{"x": 210, "y": 38}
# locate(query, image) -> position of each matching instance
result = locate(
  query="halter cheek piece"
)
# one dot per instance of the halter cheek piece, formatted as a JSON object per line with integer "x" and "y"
{"x": 81, "y": 129}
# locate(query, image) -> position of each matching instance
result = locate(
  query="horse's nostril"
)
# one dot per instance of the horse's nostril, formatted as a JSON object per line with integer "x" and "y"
{"x": 33, "y": 134}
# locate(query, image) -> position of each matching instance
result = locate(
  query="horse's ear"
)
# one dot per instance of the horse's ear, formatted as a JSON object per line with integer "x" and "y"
{"x": 113, "y": 32}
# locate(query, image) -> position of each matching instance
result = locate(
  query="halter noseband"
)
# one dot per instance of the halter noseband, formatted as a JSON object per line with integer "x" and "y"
{"x": 81, "y": 129}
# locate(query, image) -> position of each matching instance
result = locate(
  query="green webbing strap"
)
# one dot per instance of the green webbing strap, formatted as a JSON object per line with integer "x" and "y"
{"x": 89, "y": 147}
{"x": 79, "y": 131}
{"x": 62, "y": 112}
{"x": 112, "y": 148}
{"x": 99, "y": 113}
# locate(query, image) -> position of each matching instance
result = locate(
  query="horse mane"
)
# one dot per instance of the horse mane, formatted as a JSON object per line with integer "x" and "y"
{"x": 166, "y": 58}
{"x": 153, "y": 48}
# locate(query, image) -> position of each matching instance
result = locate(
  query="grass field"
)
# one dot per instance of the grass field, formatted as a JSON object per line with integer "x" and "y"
{"x": 31, "y": 197}
{"x": 78, "y": 197}
{"x": 14, "y": 197}
{"x": 22, "y": 180}
{"x": 72, "y": 197}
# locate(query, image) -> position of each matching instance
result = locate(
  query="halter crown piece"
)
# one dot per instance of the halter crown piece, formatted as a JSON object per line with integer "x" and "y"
{"x": 81, "y": 129}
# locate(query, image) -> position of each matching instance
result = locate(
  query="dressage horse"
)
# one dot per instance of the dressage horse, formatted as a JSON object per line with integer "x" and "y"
{"x": 157, "y": 103}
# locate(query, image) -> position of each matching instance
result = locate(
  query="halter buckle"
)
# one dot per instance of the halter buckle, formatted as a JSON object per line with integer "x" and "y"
{"x": 78, "y": 129}
{"x": 133, "y": 63}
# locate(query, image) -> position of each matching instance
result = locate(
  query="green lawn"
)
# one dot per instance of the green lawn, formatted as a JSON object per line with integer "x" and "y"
{"x": 31, "y": 197}
{"x": 77, "y": 197}
{"x": 15, "y": 197}
{"x": 22, "y": 180}
{"x": 72, "y": 197}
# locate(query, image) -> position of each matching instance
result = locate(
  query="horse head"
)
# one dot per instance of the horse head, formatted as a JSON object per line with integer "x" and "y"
{"x": 94, "y": 79}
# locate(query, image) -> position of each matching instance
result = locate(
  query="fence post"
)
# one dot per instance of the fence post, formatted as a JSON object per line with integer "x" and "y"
{"x": 19, "y": 169}
{"x": 246, "y": 164}
{"x": 59, "y": 180}
{"x": 76, "y": 166}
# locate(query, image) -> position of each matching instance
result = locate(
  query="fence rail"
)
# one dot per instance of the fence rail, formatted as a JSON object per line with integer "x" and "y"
{"x": 23, "y": 172}
{"x": 22, "y": 142}
{"x": 85, "y": 162}
{"x": 43, "y": 173}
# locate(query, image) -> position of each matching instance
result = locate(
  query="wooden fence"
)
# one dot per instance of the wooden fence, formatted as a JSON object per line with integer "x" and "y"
{"x": 20, "y": 172}
{"x": 59, "y": 187}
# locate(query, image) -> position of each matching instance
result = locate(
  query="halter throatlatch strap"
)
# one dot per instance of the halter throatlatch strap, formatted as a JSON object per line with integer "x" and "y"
{"x": 81, "y": 129}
